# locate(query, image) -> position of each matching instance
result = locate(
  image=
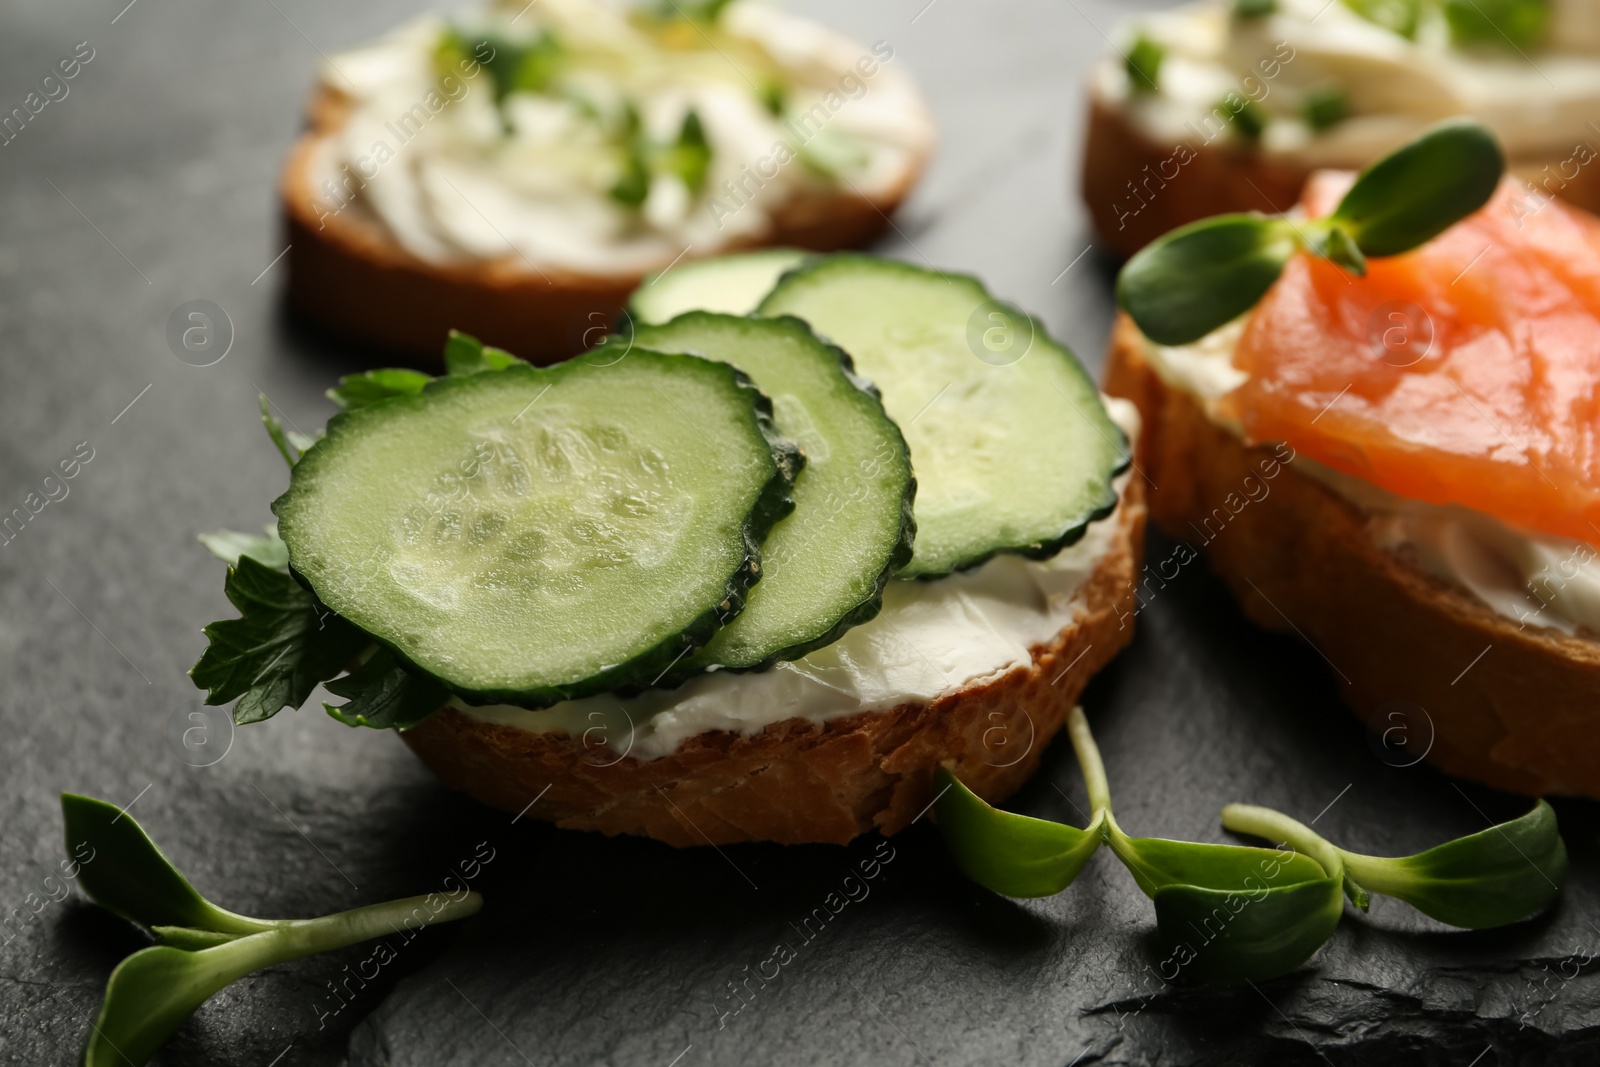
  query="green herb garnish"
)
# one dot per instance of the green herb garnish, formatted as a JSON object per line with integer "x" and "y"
{"x": 1144, "y": 64}
{"x": 464, "y": 354}
{"x": 633, "y": 185}
{"x": 200, "y": 947}
{"x": 1495, "y": 877}
{"x": 285, "y": 641}
{"x": 1013, "y": 855}
{"x": 1326, "y": 107}
{"x": 687, "y": 158}
{"x": 1396, "y": 16}
{"x": 1229, "y": 913}
{"x": 513, "y": 65}
{"x": 707, "y": 11}
{"x": 1205, "y": 274}
{"x": 275, "y": 431}
{"x": 773, "y": 96}
{"x": 1256, "y": 913}
{"x": 281, "y": 647}
{"x": 384, "y": 695}
{"x": 690, "y": 157}
{"x": 1188, "y": 282}
{"x": 359, "y": 390}
{"x": 1254, "y": 9}
{"x": 229, "y": 545}
{"x": 1514, "y": 24}
{"x": 1421, "y": 189}
{"x": 1250, "y": 120}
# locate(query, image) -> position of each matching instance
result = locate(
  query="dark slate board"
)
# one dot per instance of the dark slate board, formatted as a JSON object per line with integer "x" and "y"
{"x": 149, "y": 185}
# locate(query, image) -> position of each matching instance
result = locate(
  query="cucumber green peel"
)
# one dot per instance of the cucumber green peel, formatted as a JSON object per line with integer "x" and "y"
{"x": 825, "y": 565}
{"x": 1014, "y": 452}
{"x": 287, "y": 640}
{"x": 471, "y": 541}
{"x": 1201, "y": 276}
{"x": 200, "y": 947}
{"x": 734, "y": 284}
{"x": 1230, "y": 913}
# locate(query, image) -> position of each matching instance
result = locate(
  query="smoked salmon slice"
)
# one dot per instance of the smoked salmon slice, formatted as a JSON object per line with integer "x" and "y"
{"x": 1465, "y": 372}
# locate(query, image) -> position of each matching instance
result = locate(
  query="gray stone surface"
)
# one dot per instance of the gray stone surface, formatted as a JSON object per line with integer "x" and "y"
{"x": 150, "y": 185}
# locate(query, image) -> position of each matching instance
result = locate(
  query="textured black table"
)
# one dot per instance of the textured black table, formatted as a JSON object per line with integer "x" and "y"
{"x": 150, "y": 184}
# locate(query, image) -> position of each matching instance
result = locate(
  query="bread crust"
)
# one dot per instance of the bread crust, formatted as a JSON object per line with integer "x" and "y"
{"x": 349, "y": 276}
{"x": 798, "y": 781}
{"x": 1136, "y": 189}
{"x": 1513, "y": 708}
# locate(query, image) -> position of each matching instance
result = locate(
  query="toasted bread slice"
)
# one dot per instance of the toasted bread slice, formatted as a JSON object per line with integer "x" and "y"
{"x": 1136, "y": 189}
{"x": 798, "y": 781}
{"x": 349, "y": 275}
{"x": 1513, "y": 708}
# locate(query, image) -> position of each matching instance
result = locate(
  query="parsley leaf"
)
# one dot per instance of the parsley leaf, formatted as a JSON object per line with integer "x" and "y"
{"x": 359, "y": 390}
{"x": 283, "y": 644}
{"x": 384, "y": 695}
{"x": 229, "y": 545}
{"x": 275, "y": 431}
{"x": 465, "y": 354}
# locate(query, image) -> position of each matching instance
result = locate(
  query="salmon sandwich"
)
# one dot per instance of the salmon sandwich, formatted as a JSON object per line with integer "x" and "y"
{"x": 1378, "y": 417}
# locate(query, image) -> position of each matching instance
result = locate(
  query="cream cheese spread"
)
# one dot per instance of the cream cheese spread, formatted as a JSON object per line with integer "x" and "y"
{"x": 614, "y": 140}
{"x": 930, "y": 638}
{"x": 1539, "y": 102}
{"x": 1530, "y": 577}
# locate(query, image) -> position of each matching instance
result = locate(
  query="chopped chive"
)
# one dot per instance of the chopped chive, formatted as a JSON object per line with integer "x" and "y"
{"x": 772, "y": 96}
{"x": 1250, "y": 121}
{"x": 1325, "y": 107}
{"x": 1144, "y": 64}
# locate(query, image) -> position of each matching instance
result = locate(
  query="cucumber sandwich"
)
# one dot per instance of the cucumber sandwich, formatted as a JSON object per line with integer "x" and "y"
{"x": 795, "y": 534}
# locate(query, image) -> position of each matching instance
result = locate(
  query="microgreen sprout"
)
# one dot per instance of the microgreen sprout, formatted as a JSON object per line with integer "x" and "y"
{"x": 1500, "y": 875}
{"x": 1230, "y": 913}
{"x": 1201, "y": 276}
{"x": 200, "y": 948}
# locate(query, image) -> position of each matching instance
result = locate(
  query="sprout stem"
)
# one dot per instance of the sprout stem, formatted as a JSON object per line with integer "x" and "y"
{"x": 1276, "y": 826}
{"x": 1379, "y": 874}
{"x": 1094, "y": 770}
{"x": 306, "y": 937}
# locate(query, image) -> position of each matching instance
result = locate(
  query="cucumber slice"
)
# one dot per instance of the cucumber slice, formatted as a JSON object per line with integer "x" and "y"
{"x": 734, "y": 284}
{"x": 531, "y": 535}
{"x": 825, "y": 565}
{"x": 1013, "y": 450}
